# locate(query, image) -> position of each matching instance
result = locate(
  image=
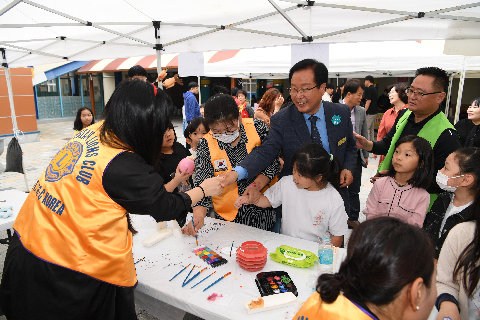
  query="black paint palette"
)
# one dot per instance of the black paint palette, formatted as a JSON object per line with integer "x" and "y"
{"x": 274, "y": 282}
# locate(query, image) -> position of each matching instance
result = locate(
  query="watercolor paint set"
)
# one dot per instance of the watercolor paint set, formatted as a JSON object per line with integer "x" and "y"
{"x": 212, "y": 258}
{"x": 275, "y": 282}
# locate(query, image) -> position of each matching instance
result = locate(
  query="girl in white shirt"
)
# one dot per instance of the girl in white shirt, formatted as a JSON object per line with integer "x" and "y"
{"x": 311, "y": 204}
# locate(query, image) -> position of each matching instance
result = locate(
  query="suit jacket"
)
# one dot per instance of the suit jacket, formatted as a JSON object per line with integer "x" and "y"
{"x": 361, "y": 129}
{"x": 288, "y": 131}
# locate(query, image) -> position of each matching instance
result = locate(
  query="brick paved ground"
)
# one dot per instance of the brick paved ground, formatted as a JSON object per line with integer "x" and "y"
{"x": 56, "y": 132}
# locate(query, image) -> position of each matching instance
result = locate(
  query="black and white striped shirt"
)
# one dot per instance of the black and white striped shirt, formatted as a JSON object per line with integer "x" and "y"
{"x": 251, "y": 215}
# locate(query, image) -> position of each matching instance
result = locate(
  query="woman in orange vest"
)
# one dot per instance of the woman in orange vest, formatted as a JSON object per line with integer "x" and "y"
{"x": 71, "y": 255}
{"x": 228, "y": 142}
{"x": 389, "y": 273}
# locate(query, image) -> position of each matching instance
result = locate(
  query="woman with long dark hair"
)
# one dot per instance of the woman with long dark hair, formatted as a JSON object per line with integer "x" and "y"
{"x": 71, "y": 255}
{"x": 468, "y": 129}
{"x": 84, "y": 119}
{"x": 389, "y": 273}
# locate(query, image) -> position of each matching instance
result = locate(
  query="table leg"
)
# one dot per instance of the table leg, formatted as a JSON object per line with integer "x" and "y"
{"x": 9, "y": 237}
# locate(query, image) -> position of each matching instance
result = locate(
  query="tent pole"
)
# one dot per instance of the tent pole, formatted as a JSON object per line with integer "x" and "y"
{"x": 12, "y": 107}
{"x": 449, "y": 94}
{"x": 158, "y": 49}
{"x": 92, "y": 95}
{"x": 460, "y": 93}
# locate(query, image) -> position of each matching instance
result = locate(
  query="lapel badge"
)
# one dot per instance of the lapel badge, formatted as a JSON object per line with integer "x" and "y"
{"x": 336, "y": 119}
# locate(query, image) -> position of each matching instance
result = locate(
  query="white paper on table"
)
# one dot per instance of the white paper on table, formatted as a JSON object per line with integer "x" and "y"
{"x": 210, "y": 228}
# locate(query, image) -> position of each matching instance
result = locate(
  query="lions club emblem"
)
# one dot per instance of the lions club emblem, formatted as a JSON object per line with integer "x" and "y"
{"x": 64, "y": 162}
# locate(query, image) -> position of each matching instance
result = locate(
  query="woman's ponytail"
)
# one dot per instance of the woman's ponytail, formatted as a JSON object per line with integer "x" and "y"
{"x": 329, "y": 286}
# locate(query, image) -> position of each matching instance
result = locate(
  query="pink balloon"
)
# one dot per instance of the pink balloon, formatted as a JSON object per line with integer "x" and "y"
{"x": 186, "y": 164}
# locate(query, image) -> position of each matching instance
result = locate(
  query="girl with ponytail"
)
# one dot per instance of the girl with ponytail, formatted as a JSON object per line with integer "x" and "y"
{"x": 311, "y": 203}
{"x": 389, "y": 273}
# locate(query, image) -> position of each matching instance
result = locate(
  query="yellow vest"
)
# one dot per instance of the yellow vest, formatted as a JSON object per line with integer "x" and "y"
{"x": 69, "y": 220}
{"x": 223, "y": 204}
{"x": 341, "y": 309}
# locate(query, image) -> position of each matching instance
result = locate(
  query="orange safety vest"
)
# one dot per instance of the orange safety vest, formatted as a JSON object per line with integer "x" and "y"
{"x": 223, "y": 204}
{"x": 340, "y": 309}
{"x": 69, "y": 220}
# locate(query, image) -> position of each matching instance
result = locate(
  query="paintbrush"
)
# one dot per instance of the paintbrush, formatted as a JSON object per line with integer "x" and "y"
{"x": 203, "y": 280}
{"x": 231, "y": 249}
{"x": 216, "y": 282}
{"x": 185, "y": 283}
{"x": 188, "y": 275}
{"x": 196, "y": 238}
{"x": 177, "y": 273}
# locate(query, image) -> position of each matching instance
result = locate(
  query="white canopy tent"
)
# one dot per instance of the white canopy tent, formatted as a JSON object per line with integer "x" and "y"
{"x": 347, "y": 60}
{"x": 46, "y": 31}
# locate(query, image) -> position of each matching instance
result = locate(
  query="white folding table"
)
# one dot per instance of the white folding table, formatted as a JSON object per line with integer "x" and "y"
{"x": 163, "y": 260}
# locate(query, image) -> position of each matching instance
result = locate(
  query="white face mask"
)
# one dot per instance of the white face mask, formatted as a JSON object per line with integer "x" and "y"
{"x": 442, "y": 181}
{"x": 227, "y": 137}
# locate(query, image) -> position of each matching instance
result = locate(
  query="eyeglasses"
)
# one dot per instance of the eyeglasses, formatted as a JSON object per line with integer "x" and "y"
{"x": 418, "y": 95}
{"x": 294, "y": 91}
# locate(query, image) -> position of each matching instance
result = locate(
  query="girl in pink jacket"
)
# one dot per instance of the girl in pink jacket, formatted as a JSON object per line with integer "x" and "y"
{"x": 401, "y": 194}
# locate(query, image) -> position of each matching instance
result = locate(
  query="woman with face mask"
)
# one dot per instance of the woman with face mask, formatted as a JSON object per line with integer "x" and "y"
{"x": 228, "y": 142}
{"x": 460, "y": 178}
{"x": 468, "y": 129}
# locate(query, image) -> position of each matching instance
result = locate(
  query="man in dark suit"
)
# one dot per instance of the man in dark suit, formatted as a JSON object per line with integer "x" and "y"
{"x": 353, "y": 96}
{"x": 292, "y": 127}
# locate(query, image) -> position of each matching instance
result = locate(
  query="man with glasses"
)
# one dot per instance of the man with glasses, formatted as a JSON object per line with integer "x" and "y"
{"x": 422, "y": 118}
{"x": 307, "y": 120}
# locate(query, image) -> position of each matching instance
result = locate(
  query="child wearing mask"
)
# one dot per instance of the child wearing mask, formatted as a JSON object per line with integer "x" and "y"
{"x": 460, "y": 178}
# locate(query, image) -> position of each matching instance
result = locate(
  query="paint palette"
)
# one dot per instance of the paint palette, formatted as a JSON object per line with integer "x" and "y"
{"x": 212, "y": 258}
{"x": 275, "y": 282}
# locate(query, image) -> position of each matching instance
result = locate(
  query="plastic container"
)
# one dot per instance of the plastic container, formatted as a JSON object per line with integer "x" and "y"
{"x": 252, "y": 256}
{"x": 325, "y": 256}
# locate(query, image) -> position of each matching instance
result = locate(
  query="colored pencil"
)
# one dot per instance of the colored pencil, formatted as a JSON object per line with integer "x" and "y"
{"x": 179, "y": 272}
{"x": 139, "y": 260}
{"x": 188, "y": 275}
{"x": 231, "y": 249}
{"x": 196, "y": 238}
{"x": 185, "y": 283}
{"x": 216, "y": 282}
{"x": 203, "y": 280}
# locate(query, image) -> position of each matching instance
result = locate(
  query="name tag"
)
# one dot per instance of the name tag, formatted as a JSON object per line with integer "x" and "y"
{"x": 220, "y": 165}
{"x": 342, "y": 141}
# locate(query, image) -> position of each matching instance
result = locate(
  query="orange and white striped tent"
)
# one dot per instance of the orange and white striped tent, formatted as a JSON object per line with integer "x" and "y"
{"x": 123, "y": 64}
